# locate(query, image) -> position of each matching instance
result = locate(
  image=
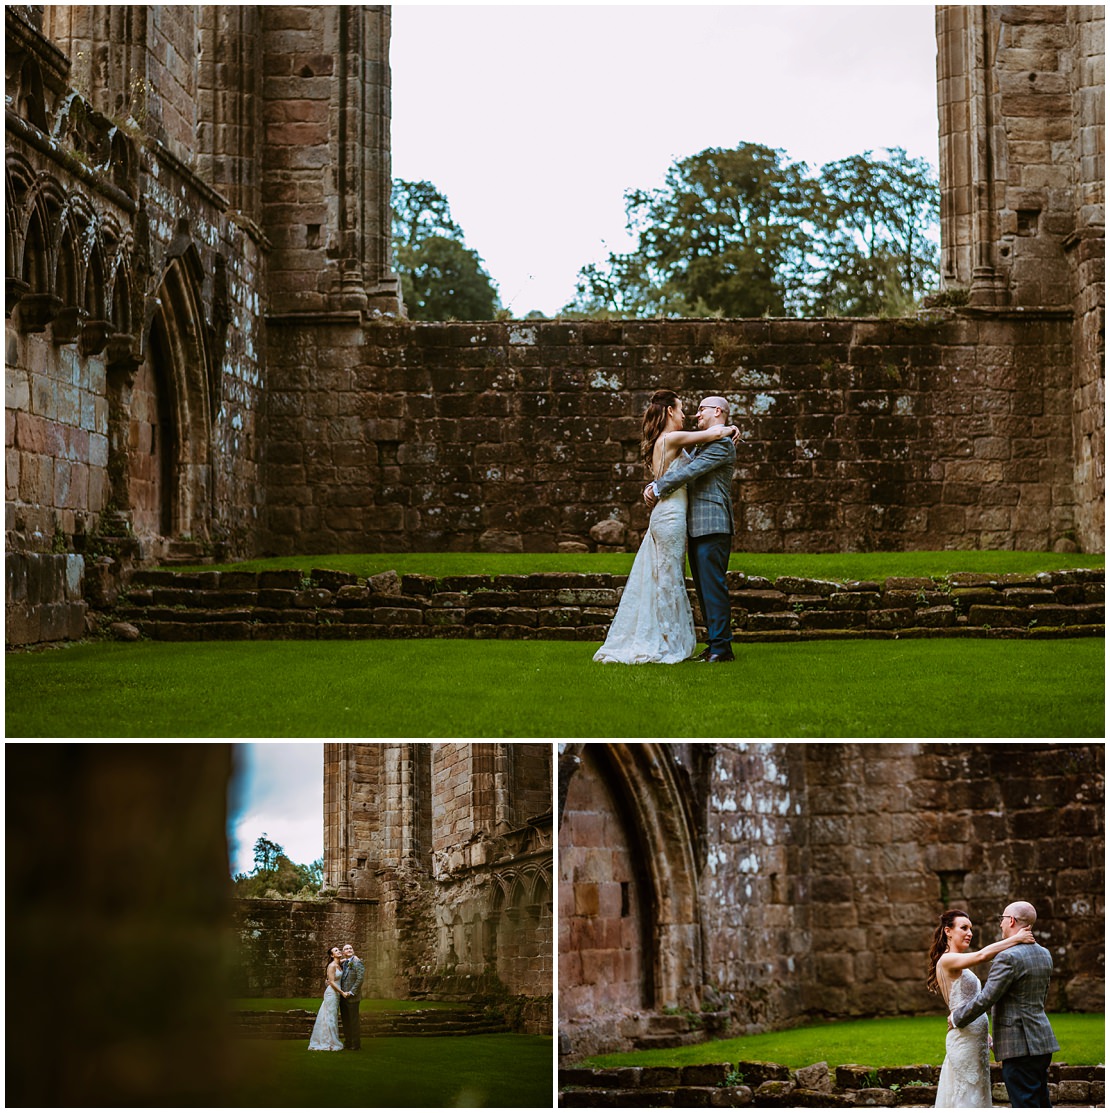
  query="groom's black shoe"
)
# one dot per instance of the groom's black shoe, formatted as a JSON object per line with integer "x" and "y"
{"x": 700, "y": 656}
{"x": 719, "y": 658}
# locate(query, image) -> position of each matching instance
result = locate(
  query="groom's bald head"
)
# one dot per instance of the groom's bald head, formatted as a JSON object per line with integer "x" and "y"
{"x": 1023, "y": 912}
{"x": 712, "y": 411}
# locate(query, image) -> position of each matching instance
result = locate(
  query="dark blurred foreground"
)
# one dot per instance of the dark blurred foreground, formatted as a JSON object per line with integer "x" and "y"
{"x": 118, "y": 929}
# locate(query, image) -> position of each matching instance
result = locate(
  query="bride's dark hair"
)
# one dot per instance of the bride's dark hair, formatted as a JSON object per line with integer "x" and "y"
{"x": 655, "y": 418}
{"x": 940, "y": 945}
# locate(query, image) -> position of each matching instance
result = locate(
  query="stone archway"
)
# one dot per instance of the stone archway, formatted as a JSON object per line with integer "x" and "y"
{"x": 629, "y": 919}
{"x": 168, "y": 442}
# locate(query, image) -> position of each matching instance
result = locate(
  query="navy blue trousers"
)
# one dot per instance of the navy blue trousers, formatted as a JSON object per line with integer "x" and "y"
{"x": 1026, "y": 1079}
{"x": 708, "y": 565}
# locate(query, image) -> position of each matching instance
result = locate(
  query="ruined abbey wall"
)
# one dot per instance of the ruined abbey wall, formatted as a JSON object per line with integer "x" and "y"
{"x": 205, "y": 353}
{"x": 447, "y": 848}
{"x": 953, "y": 431}
{"x": 783, "y": 883}
{"x": 1021, "y": 97}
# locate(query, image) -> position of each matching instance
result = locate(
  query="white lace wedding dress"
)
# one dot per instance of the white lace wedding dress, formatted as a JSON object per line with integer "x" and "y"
{"x": 965, "y": 1077}
{"x": 325, "y": 1032}
{"x": 654, "y": 623}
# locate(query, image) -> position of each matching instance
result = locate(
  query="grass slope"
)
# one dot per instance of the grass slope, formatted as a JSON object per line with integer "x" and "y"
{"x": 431, "y": 1072}
{"x": 928, "y": 688}
{"x": 885, "y": 1042}
{"x": 822, "y": 566}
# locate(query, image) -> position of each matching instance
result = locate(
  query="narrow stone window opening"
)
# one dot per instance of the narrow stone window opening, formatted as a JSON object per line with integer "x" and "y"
{"x": 312, "y": 235}
{"x": 625, "y": 906}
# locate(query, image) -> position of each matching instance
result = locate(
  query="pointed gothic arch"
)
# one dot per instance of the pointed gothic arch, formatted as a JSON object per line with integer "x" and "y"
{"x": 176, "y": 374}
{"x": 638, "y": 797}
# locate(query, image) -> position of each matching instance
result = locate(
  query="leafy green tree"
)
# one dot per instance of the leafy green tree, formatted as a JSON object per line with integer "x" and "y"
{"x": 276, "y": 875}
{"x": 725, "y": 236}
{"x": 441, "y": 278}
{"x": 874, "y": 256}
{"x": 747, "y": 233}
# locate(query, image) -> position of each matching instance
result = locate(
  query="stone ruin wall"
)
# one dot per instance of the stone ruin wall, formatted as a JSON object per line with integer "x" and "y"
{"x": 1021, "y": 97}
{"x": 820, "y": 875}
{"x": 949, "y": 432}
{"x": 449, "y": 847}
{"x": 224, "y": 173}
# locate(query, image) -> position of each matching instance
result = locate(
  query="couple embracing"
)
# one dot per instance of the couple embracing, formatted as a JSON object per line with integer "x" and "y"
{"x": 343, "y": 976}
{"x": 690, "y": 496}
{"x": 1014, "y": 992}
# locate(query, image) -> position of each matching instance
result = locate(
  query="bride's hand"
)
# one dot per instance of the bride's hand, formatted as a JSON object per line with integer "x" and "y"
{"x": 1026, "y": 935}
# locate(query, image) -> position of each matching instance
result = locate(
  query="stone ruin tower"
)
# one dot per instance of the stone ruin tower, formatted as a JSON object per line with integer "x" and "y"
{"x": 1021, "y": 92}
{"x": 187, "y": 186}
{"x": 447, "y": 845}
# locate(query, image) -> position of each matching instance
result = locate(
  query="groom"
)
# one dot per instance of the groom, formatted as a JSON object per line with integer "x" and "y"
{"x": 350, "y": 981}
{"x": 708, "y": 524}
{"x": 1015, "y": 990}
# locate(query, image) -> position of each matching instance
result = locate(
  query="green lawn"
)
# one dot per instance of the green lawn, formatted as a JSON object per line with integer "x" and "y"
{"x": 432, "y": 1072}
{"x": 928, "y": 688}
{"x": 884, "y": 1042}
{"x": 823, "y": 566}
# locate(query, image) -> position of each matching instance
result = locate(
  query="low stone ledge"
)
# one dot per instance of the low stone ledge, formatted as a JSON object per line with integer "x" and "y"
{"x": 582, "y": 606}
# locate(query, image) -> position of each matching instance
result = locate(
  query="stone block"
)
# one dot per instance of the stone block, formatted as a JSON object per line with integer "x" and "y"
{"x": 285, "y": 579}
{"x": 815, "y": 1077}
{"x": 854, "y": 600}
{"x": 1008, "y": 617}
{"x": 312, "y": 597}
{"x": 755, "y": 1072}
{"x": 706, "y": 1074}
{"x": 398, "y": 616}
{"x": 933, "y": 617}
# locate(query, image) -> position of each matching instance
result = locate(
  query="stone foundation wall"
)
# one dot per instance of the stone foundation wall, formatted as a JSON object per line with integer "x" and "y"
{"x": 45, "y": 600}
{"x": 948, "y": 432}
{"x": 197, "y": 606}
{"x": 283, "y": 944}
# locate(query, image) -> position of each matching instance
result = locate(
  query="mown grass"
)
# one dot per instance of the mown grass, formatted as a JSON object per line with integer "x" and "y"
{"x": 434, "y": 689}
{"x": 885, "y": 1042}
{"x": 366, "y": 1005}
{"x": 822, "y": 566}
{"x": 431, "y": 1072}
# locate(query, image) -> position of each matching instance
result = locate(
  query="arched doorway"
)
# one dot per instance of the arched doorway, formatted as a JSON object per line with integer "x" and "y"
{"x": 151, "y": 443}
{"x": 629, "y": 919}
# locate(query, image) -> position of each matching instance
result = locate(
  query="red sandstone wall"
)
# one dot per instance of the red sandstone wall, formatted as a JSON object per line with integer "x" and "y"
{"x": 822, "y": 869}
{"x": 948, "y": 433}
{"x": 604, "y": 934}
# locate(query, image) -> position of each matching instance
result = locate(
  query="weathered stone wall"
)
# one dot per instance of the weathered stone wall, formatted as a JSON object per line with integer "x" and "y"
{"x": 283, "y": 944}
{"x": 1021, "y": 94}
{"x": 815, "y": 876}
{"x": 128, "y": 276}
{"x": 569, "y": 606}
{"x": 949, "y": 433}
{"x": 1086, "y": 246}
{"x": 453, "y": 845}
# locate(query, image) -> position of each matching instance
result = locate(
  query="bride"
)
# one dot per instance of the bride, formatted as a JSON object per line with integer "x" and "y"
{"x": 965, "y": 1077}
{"x": 654, "y": 622}
{"x": 325, "y": 1032}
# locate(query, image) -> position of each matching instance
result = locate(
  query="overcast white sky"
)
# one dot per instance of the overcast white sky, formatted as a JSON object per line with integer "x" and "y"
{"x": 533, "y": 120}
{"x": 278, "y": 790}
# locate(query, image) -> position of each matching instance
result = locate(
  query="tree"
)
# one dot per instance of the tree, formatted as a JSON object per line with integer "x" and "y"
{"x": 276, "y": 875}
{"x": 725, "y": 236}
{"x": 266, "y": 853}
{"x": 441, "y": 278}
{"x": 746, "y": 233}
{"x": 874, "y": 257}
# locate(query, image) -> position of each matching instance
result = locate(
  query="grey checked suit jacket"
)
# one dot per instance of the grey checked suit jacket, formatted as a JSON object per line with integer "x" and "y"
{"x": 351, "y": 978}
{"x": 1015, "y": 991}
{"x": 708, "y": 474}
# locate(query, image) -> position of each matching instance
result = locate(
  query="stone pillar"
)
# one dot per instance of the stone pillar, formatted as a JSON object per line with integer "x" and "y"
{"x": 1086, "y": 252}
{"x": 326, "y": 177}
